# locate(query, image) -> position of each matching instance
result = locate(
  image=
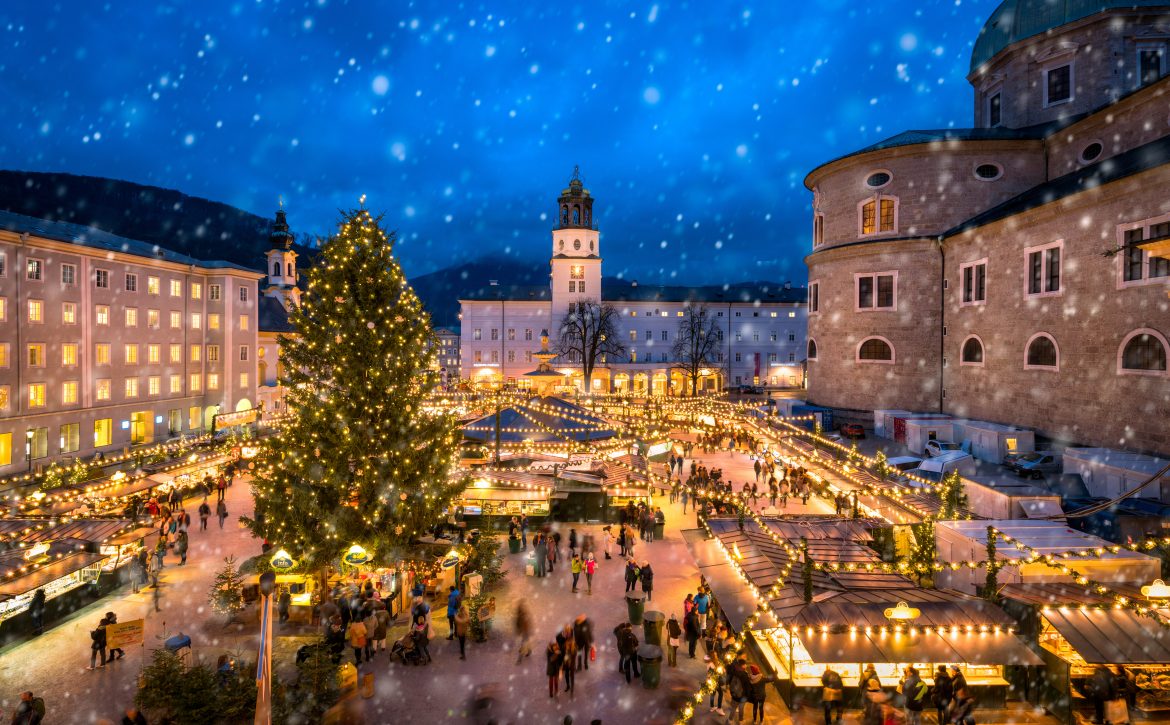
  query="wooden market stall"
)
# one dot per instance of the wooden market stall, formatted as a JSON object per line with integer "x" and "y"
{"x": 507, "y": 493}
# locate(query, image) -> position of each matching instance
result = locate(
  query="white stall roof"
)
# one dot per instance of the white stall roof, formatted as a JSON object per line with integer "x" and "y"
{"x": 1042, "y": 537}
{"x": 1126, "y": 460}
{"x": 998, "y": 427}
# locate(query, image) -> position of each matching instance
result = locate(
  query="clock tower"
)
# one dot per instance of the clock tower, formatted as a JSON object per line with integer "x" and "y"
{"x": 576, "y": 253}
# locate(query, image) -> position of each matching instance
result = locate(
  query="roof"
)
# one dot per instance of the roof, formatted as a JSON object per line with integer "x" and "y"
{"x": 1016, "y": 20}
{"x": 764, "y": 292}
{"x": 519, "y": 424}
{"x": 92, "y": 238}
{"x": 273, "y": 317}
{"x": 1115, "y": 168}
{"x": 1112, "y": 636}
{"x": 510, "y": 293}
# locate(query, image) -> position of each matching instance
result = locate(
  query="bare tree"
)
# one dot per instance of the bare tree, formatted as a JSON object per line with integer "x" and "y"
{"x": 696, "y": 344}
{"x": 588, "y": 333}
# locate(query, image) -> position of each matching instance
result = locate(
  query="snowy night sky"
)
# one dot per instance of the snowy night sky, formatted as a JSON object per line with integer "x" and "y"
{"x": 694, "y": 123}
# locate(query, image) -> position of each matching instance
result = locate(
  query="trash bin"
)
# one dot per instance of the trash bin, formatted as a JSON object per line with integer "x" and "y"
{"x": 652, "y": 624}
{"x": 659, "y": 531}
{"x": 635, "y": 603}
{"x": 513, "y": 545}
{"x": 650, "y": 660}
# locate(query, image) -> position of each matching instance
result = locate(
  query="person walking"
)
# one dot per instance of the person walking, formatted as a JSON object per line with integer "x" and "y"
{"x": 609, "y": 540}
{"x": 355, "y": 634}
{"x": 720, "y": 680}
{"x": 553, "y": 657}
{"x": 422, "y": 636}
{"x": 540, "y": 547}
{"x": 702, "y": 604}
{"x": 30, "y": 711}
{"x": 220, "y": 487}
{"x": 523, "y": 627}
{"x": 112, "y": 618}
{"x": 572, "y": 542}
{"x": 757, "y": 466}
{"x": 454, "y": 600}
{"x": 204, "y": 514}
{"x": 963, "y": 712}
{"x": 551, "y": 544}
{"x": 914, "y": 692}
{"x": 569, "y": 660}
{"x": 221, "y": 510}
{"x": 673, "y": 639}
{"x": 942, "y": 693}
{"x": 36, "y": 610}
{"x": 462, "y": 622}
{"x": 181, "y": 547}
{"x": 631, "y": 575}
{"x": 590, "y": 569}
{"x": 739, "y": 686}
{"x": 692, "y": 631}
{"x": 832, "y": 693}
{"x": 583, "y": 637}
{"x": 523, "y": 532}
{"x": 759, "y": 692}
{"x": 97, "y": 645}
{"x": 647, "y": 576}
{"x": 575, "y": 569}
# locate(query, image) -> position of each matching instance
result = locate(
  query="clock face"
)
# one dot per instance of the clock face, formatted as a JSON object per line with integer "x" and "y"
{"x": 577, "y": 244}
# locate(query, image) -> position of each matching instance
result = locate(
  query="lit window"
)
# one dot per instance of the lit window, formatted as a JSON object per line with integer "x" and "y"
{"x": 152, "y": 285}
{"x": 36, "y": 311}
{"x": 101, "y": 353}
{"x": 69, "y": 313}
{"x": 772, "y": 314}
{"x": 69, "y": 354}
{"x": 5, "y": 447}
{"x": 131, "y": 317}
{"x": 36, "y": 355}
{"x": 69, "y": 392}
{"x": 176, "y": 383}
{"x": 243, "y": 323}
{"x": 4, "y": 347}
{"x": 196, "y": 291}
{"x": 131, "y": 387}
{"x": 196, "y": 321}
{"x": 36, "y": 395}
{"x": 132, "y": 354}
{"x": 152, "y": 319}
{"x": 213, "y": 321}
{"x": 102, "y": 390}
{"x": 196, "y": 382}
{"x": 878, "y": 215}
{"x": 103, "y": 432}
{"x": 1137, "y": 265}
{"x": 70, "y": 437}
{"x": 176, "y": 288}
{"x": 102, "y": 315}
{"x": 131, "y": 283}
{"x": 101, "y": 278}
{"x": 243, "y": 380}
{"x": 213, "y": 381}
{"x": 176, "y": 353}
{"x": 176, "y": 320}
{"x": 196, "y": 353}
{"x": 153, "y": 353}
{"x": 153, "y": 385}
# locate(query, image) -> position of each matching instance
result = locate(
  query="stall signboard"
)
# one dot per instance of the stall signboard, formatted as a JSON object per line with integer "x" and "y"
{"x": 356, "y": 556}
{"x": 282, "y": 561}
{"x": 124, "y": 634}
{"x": 239, "y": 417}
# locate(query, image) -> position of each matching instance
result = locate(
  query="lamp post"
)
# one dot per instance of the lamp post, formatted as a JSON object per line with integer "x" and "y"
{"x": 28, "y": 439}
{"x": 264, "y": 662}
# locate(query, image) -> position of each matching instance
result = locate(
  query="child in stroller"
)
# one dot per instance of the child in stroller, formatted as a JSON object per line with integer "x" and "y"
{"x": 406, "y": 650}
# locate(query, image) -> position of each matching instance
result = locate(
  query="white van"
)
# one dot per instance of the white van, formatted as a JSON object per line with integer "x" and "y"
{"x": 936, "y": 468}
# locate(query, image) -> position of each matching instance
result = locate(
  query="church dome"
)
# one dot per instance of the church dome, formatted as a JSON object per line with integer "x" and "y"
{"x": 1016, "y": 20}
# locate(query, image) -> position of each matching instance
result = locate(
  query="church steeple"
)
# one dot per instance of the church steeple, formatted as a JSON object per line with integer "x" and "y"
{"x": 279, "y": 237}
{"x": 575, "y": 205}
{"x": 282, "y": 262}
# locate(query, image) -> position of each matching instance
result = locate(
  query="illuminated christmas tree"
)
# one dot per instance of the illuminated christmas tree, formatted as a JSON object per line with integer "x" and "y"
{"x": 360, "y": 461}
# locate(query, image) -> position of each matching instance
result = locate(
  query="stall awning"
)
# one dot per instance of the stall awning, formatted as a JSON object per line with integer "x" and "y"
{"x": 131, "y": 536}
{"x": 991, "y": 648}
{"x": 901, "y": 647}
{"x": 39, "y": 578}
{"x": 1112, "y": 636}
{"x": 735, "y": 600}
{"x": 504, "y": 494}
{"x": 841, "y": 648}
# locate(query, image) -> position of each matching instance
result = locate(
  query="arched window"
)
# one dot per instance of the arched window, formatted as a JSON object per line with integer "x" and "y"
{"x": 290, "y": 272}
{"x": 565, "y": 214}
{"x": 812, "y": 349}
{"x": 1042, "y": 353}
{"x": 276, "y": 269}
{"x": 262, "y": 372}
{"x": 878, "y": 215}
{"x": 586, "y": 217}
{"x": 576, "y": 214}
{"x": 972, "y": 353}
{"x": 1143, "y": 352}
{"x": 875, "y": 350}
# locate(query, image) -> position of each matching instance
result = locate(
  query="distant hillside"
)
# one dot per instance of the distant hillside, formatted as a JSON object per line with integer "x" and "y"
{"x": 440, "y": 290}
{"x": 197, "y": 227}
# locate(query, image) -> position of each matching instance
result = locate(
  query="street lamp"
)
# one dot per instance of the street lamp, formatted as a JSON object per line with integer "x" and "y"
{"x": 28, "y": 439}
{"x": 264, "y": 663}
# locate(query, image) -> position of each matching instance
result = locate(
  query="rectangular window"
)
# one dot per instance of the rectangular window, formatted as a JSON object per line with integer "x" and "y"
{"x": 196, "y": 383}
{"x": 176, "y": 353}
{"x": 739, "y": 357}
{"x": 152, "y": 319}
{"x": 101, "y": 353}
{"x": 495, "y": 334}
{"x": 818, "y": 229}
{"x": 153, "y": 385}
{"x": 196, "y": 321}
{"x": 69, "y": 274}
{"x": 131, "y": 387}
{"x": 69, "y": 392}
{"x": 877, "y": 291}
{"x": 511, "y": 334}
{"x": 70, "y": 437}
{"x": 101, "y": 278}
{"x": 3, "y": 264}
{"x": 213, "y": 321}
{"x": 214, "y": 292}
{"x": 772, "y": 337}
{"x": 581, "y": 286}
{"x": 528, "y": 335}
{"x": 243, "y": 294}
{"x": 1058, "y": 85}
{"x": 773, "y": 314}
{"x": 69, "y": 313}
{"x": 176, "y": 384}
{"x": 243, "y": 353}
{"x": 572, "y": 286}
{"x": 176, "y": 320}
{"x": 154, "y": 353}
{"x": 477, "y": 334}
{"x": 243, "y": 323}
{"x": 738, "y": 337}
{"x": 633, "y": 335}
{"x": 5, "y": 449}
{"x": 649, "y": 335}
{"x": 478, "y": 357}
{"x": 174, "y": 420}
{"x": 1043, "y": 268}
{"x": 814, "y": 296}
{"x": 131, "y": 317}
{"x": 132, "y": 353}
{"x": 665, "y": 335}
{"x": 887, "y": 219}
{"x": 36, "y": 395}
{"x": 69, "y": 355}
{"x": 176, "y": 288}
{"x": 196, "y": 353}
{"x": 102, "y": 314}
{"x": 102, "y": 389}
{"x": 771, "y": 357}
{"x": 36, "y": 355}
{"x": 131, "y": 282}
{"x": 213, "y": 381}
{"x": 4, "y": 347}
{"x": 34, "y": 270}
{"x": 1138, "y": 265}
{"x": 196, "y": 291}
{"x": 152, "y": 286}
{"x": 1150, "y": 64}
{"x": 103, "y": 432}
{"x": 995, "y": 110}
{"x": 36, "y": 311}
{"x": 213, "y": 353}
{"x": 194, "y": 419}
{"x": 633, "y": 356}
{"x": 974, "y": 276}
{"x": 40, "y": 442}
{"x": 495, "y": 356}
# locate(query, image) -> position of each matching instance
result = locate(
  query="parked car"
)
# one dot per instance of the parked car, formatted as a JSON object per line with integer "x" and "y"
{"x": 749, "y": 390}
{"x": 852, "y": 430}
{"x": 937, "y": 448}
{"x": 1035, "y": 464}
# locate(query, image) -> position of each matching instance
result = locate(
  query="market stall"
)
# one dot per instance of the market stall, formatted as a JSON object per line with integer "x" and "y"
{"x": 507, "y": 493}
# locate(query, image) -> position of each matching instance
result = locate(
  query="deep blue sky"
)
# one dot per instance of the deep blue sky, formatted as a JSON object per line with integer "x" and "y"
{"x": 694, "y": 123}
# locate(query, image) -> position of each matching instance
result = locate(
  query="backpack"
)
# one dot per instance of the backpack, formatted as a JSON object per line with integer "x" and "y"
{"x": 735, "y": 686}
{"x": 96, "y": 635}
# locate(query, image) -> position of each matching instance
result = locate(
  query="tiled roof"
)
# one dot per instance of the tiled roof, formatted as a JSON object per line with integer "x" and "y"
{"x": 84, "y": 236}
{"x": 273, "y": 316}
{"x": 510, "y": 292}
{"x": 763, "y": 292}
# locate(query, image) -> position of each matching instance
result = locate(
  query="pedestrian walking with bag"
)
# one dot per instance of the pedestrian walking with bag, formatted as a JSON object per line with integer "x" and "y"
{"x": 673, "y": 639}
{"x": 832, "y": 693}
{"x": 523, "y": 627}
{"x": 575, "y": 569}
{"x": 462, "y": 623}
{"x": 97, "y": 638}
{"x": 553, "y": 664}
{"x": 204, "y": 514}
{"x": 590, "y": 569}
{"x": 221, "y": 511}
{"x": 583, "y": 637}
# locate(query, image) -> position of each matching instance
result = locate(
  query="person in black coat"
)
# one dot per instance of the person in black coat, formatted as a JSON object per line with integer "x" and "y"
{"x": 691, "y": 630}
{"x": 647, "y": 576}
{"x": 36, "y": 610}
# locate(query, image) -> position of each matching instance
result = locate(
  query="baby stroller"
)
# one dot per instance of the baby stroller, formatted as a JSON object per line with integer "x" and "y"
{"x": 406, "y": 650}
